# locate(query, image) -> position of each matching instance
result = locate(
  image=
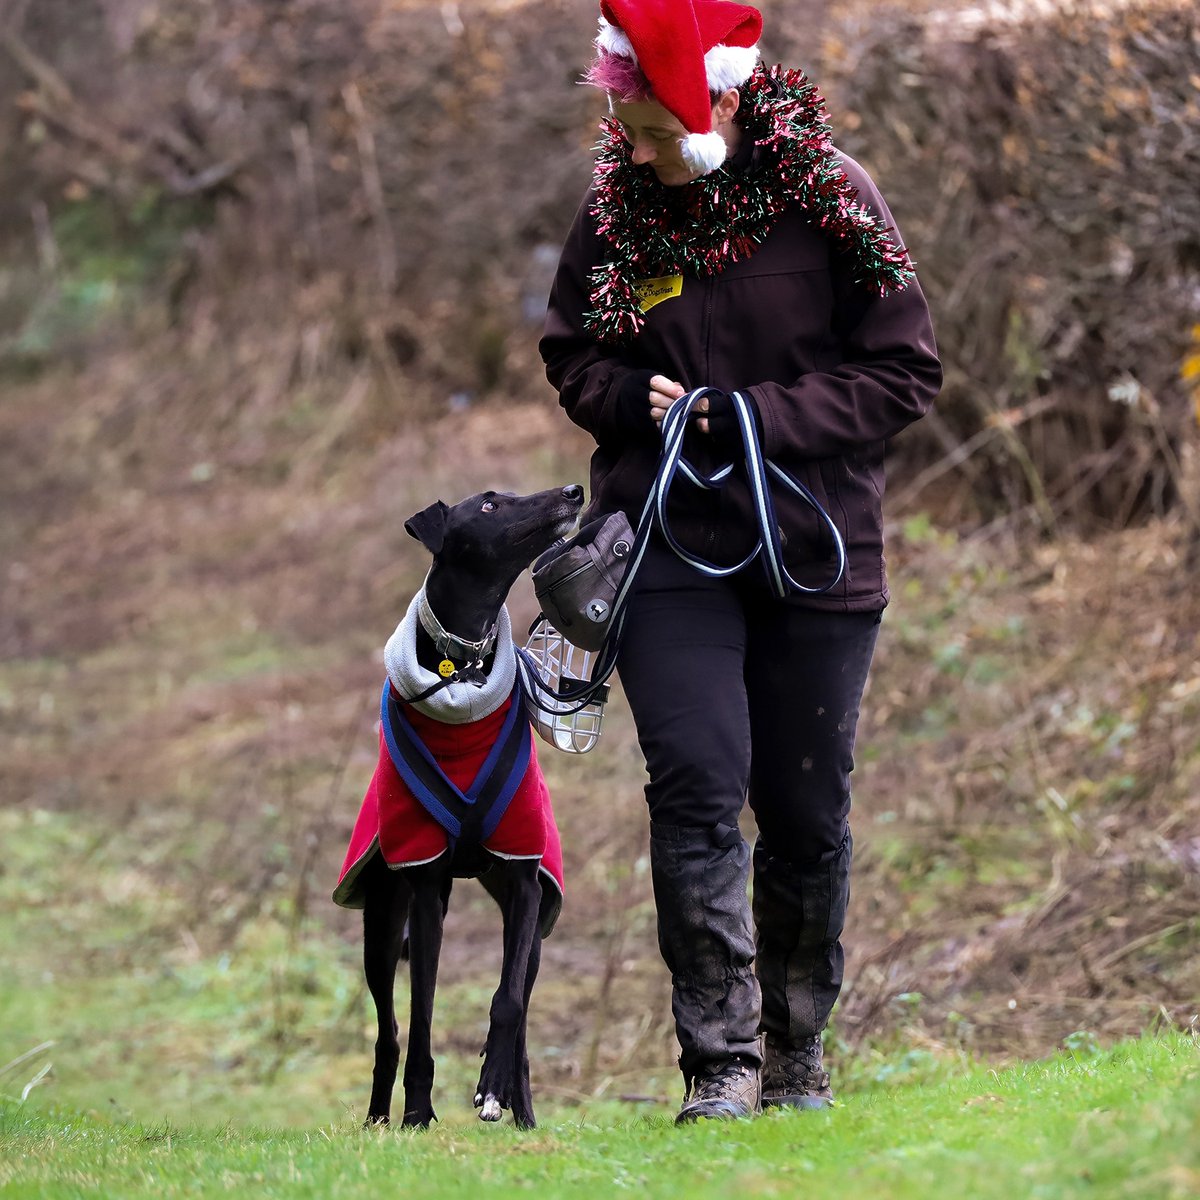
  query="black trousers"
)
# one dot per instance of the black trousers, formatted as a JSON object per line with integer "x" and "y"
{"x": 739, "y": 695}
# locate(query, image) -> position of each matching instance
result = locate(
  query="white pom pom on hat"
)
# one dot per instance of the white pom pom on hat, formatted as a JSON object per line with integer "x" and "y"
{"x": 687, "y": 49}
{"x": 704, "y": 152}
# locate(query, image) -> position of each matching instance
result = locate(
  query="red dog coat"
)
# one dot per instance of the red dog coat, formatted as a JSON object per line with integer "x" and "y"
{"x": 394, "y": 823}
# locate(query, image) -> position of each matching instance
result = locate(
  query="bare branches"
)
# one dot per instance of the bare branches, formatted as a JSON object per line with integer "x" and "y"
{"x": 163, "y": 153}
{"x": 1044, "y": 172}
{"x": 372, "y": 186}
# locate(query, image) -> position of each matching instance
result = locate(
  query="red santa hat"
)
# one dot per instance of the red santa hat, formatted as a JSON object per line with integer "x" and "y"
{"x": 687, "y": 49}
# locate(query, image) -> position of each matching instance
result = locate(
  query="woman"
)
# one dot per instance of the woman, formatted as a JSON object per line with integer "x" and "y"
{"x": 726, "y": 243}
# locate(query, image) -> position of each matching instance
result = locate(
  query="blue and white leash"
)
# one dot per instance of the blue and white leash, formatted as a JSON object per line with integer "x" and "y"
{"x": 757, "y": 470}
{"x": 672, "y": 464}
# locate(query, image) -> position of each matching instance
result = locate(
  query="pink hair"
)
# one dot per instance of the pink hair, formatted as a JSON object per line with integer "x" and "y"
{"x": 620, "y": 77}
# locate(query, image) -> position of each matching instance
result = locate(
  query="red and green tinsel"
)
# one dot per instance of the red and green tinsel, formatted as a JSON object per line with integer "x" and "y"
{"x": 701, "y": 227}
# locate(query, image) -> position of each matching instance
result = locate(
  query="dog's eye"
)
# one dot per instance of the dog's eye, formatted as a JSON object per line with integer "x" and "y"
{"x": 488, "y": 506}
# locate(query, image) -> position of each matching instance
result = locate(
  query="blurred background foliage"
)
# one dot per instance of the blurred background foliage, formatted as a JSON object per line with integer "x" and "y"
{"x": 271, "y": 278}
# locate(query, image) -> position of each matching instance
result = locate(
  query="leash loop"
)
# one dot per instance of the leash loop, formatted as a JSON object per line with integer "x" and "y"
{"x": 760, "y": 471}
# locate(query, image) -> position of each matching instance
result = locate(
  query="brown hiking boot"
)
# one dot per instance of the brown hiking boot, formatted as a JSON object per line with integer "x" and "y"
{"x": 793, "y": 1076}
{"x": 734, "y": 1090}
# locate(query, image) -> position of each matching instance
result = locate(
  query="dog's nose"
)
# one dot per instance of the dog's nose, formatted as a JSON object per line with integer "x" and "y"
{"x": 572, "y": 492}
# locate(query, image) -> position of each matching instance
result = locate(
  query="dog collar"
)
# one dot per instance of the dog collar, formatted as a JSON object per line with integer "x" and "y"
{"x": 448, "y": 643}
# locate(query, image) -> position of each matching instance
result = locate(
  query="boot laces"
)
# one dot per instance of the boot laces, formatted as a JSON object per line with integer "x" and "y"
{"x": 723, "y": 1084}
{"x": 801, "y": 1063}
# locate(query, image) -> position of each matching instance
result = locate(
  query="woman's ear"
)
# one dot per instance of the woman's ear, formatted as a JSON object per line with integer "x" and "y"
{"x": 726, "y": 105}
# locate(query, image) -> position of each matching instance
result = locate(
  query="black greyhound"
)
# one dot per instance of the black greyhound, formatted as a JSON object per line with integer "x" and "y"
{"x": 480, "y": 546}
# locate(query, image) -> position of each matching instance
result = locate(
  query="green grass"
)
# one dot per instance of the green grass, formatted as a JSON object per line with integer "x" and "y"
{"x": 147, "y": 1009}
{"x": 152, "y": 991}
{"x": 135, "y": 1062}
{"x": 1125, "y": 1123}
{"x": 149, "y": 1001}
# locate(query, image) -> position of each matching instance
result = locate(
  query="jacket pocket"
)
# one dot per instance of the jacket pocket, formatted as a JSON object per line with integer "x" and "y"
{"x": 808, "y": 542}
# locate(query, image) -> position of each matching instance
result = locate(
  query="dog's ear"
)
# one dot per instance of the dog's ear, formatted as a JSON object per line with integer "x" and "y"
{"x": 429, "y": 526}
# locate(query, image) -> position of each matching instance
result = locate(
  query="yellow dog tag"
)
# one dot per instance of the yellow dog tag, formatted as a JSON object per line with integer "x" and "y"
{"x": 445, "y": 668}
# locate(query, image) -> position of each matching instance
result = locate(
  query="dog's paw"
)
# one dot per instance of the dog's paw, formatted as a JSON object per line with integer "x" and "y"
{"x": 419, "y": 1119}
{"x": 522, "y": 1106}
{"x": 489, "y": 1107}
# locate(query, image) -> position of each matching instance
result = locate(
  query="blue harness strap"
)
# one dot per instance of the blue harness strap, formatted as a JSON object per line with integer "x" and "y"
{"x": 471, "y": 816}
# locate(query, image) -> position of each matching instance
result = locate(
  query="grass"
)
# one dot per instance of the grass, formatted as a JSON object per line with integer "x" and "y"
{"x": 104, "y": 963}
{"x": 148, "y": 1002}
{"x": 172, "y": 1071}
{"x": 1125, "y": 1123}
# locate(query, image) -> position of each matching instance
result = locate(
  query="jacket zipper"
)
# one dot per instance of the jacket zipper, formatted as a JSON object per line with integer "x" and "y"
{"x": 709, "y": 296}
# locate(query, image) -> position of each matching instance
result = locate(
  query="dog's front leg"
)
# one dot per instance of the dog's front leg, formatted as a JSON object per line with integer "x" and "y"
{"x": 426, "y": 914}
{"x": 503, "y": 1078}
{"x": 383, "y": 926}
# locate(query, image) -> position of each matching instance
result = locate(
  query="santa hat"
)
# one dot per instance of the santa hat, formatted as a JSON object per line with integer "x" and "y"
{"x": 687, "y": 49}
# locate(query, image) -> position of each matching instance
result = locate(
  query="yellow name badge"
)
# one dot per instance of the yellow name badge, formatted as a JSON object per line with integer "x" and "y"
{"x": 654, "y": 291}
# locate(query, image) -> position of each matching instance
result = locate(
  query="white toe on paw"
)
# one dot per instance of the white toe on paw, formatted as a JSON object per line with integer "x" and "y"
{"x": 490, "y": 1110}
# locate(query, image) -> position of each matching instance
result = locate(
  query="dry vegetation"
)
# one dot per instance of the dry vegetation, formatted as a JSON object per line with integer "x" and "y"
{"x": 283, "y": 289}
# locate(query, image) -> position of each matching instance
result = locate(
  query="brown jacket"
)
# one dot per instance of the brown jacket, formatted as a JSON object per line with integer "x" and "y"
{"x": 833, "y": 369}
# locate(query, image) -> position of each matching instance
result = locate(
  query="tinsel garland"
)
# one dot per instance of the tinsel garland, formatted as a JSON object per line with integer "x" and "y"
{"x": 701, "y": 227}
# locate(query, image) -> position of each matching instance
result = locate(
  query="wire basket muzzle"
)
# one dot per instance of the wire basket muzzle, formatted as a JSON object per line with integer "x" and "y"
{"x": 565, "y": 669}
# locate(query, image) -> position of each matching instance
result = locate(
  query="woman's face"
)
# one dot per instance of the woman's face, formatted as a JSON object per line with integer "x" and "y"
{"x": 655, "y": 137}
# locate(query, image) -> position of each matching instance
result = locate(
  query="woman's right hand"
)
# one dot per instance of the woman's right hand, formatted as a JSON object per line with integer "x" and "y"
{"x": 664, "y": 392}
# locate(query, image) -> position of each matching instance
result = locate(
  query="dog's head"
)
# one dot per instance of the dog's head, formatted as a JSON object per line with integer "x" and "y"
{"x": 496, "y": 535}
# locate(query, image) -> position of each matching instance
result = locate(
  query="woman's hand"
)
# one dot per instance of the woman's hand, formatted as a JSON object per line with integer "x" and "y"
{"x": 664, "y": 392}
